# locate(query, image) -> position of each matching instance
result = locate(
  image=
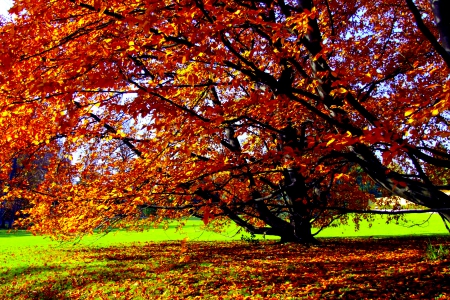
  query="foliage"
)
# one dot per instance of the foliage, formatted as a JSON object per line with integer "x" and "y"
{"x": 249, "y": 111}
{"x": 437, "y": 253}
{"x": 24, "y": 172}
{"x": 350, "y": 269}
{"x": 249, "y": 239}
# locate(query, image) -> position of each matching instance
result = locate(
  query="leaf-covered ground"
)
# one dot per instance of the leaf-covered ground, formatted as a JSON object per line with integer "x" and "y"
{"x": 340, "y": 268}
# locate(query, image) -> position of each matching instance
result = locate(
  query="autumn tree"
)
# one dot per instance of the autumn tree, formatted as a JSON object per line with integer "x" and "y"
{"x": 25, "y": 173}
{"x": 250, "y": 111}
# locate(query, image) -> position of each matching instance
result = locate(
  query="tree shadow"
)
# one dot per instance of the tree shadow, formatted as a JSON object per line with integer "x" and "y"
{"x": 350, "y": 269}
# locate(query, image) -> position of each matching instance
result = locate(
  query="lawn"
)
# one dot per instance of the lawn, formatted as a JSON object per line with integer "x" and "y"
{"x": 145, "y": 265}
{"x": 417, "y": 224}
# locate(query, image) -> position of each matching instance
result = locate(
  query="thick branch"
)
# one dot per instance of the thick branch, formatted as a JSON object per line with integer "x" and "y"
{"x": 441, "y": 9}
{"x": 427, "y": 33}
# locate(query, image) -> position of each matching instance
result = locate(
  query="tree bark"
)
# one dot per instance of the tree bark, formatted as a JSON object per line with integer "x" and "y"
{"x": 441, "y": 11}
{"x": 301, "y": 232}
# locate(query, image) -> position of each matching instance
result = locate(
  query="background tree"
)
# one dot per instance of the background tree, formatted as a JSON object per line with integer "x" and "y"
{"x": 24, "y": 173}
{"x": 251, "y": 111}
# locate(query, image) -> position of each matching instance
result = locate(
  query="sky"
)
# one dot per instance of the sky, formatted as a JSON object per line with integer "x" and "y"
{"x": 4, "y": 6}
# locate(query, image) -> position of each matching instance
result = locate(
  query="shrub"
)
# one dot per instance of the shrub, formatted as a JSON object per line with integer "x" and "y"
{"x": 437, "y": 252}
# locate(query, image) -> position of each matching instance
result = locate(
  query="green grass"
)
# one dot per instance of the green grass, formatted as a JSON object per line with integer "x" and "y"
{"x": 426, "y": 224}
{"x": 193, "y": 230}
{"x": 420, "y": 224}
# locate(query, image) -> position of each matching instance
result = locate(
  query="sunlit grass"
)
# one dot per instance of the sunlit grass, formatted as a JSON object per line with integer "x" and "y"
{"x": 417, "y": 224}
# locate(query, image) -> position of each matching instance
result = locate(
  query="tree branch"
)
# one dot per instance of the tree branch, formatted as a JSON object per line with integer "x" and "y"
{"x": 389, "y": 212}
{"x": 427, "y": 33}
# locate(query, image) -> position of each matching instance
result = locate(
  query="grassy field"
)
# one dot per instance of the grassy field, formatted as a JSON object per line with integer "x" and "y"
{"x": 158, "y": 264}
{"x": 417, "y": 224}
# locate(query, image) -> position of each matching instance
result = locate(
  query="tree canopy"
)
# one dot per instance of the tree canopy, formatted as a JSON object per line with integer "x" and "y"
{"x": 269, "y": 113}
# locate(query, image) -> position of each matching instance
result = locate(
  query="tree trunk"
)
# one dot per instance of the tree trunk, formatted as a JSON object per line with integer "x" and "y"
{"x": 441, "y": 9}
{"x": 300, "y": 232}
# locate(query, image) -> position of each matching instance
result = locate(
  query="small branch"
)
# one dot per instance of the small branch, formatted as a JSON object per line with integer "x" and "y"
{"x": 429, "y": 159}
{"x": 389, "y": 212}
{"x": 175, "y": 207}
{"x": 333, "y": 33}
{"x": 106, "y": 11}
{"x": 327, "y": 225}
{"x": 111, "y": 129}
{"x": 181, "y": 107}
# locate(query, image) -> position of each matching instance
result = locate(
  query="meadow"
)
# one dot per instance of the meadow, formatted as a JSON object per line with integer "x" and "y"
{"x": 401, "y": 261}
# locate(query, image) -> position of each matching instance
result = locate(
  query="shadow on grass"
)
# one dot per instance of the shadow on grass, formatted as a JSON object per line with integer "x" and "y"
{"x": 5, "y": 233}
{"x": 54, "y": 282}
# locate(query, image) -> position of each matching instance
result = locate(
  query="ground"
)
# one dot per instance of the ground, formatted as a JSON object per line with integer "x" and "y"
{"x": 377, "y": 267}
{"x": 341, "y": 268}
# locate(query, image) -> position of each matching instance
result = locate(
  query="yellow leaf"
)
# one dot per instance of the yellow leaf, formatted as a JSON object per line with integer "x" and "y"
{"x": 138, "y": 201}
{"x": 330, "y": 141}
{"x": 409, "y": 112}
{"x": 435, "y": 112}
{"x": 184, "y": 258}
{"x": 121, "y": 133}
{"x": 340, "y": 90}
